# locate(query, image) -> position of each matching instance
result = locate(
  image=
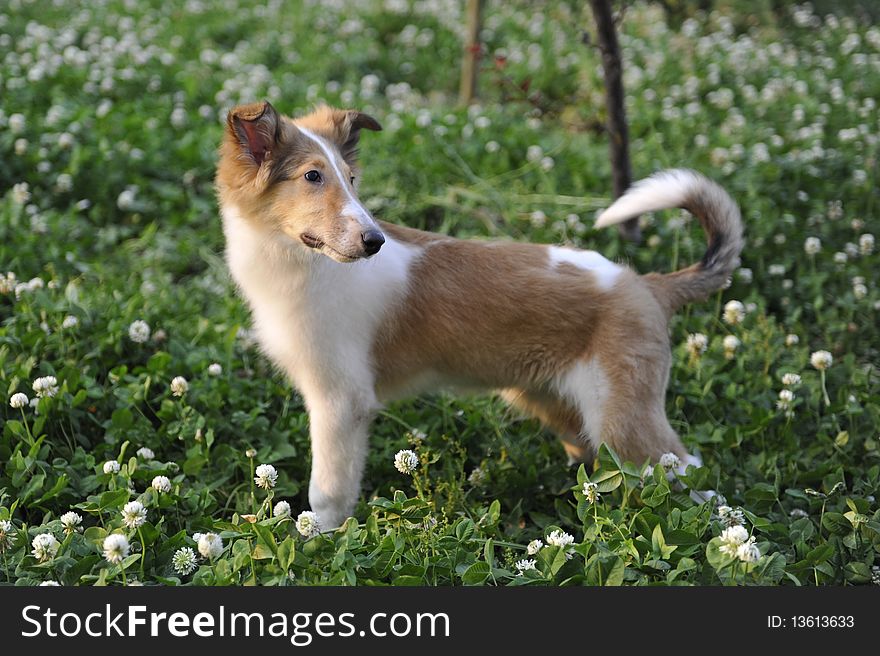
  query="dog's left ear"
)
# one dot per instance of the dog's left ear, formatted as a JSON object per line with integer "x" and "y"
{"x": 349, "y": 124}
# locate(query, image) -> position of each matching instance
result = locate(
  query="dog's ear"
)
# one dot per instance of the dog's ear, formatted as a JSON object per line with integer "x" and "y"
{"x": 349, "y": 124}
{"x": 256, "y": 128}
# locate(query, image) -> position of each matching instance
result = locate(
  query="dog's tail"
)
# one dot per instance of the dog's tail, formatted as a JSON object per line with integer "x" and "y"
{"x": 717, "y": 213}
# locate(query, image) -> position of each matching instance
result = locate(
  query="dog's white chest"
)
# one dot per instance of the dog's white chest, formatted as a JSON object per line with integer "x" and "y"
{"x": 316, "y": 318}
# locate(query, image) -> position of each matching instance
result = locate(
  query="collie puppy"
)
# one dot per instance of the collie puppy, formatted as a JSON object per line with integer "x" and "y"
{"x": 358, "y": 312}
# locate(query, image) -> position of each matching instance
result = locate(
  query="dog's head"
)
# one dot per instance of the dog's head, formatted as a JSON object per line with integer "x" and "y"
{"x": 300, "y": 177}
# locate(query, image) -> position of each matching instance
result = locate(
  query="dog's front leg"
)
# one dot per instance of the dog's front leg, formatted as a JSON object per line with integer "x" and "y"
{"x": 339, "y": 433}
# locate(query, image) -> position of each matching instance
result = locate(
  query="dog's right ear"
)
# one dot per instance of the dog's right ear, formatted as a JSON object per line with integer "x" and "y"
{"x": 256, "y": 128}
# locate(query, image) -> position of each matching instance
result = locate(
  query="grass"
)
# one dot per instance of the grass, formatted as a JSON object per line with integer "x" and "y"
{"x": 109, "y": 120}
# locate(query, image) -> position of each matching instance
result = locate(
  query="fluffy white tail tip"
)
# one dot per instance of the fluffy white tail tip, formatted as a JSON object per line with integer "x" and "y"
{"x": 661, "y": 191}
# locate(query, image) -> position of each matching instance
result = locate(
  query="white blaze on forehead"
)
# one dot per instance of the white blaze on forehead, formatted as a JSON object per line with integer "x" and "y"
{"x": 353, "y": 207}
{"x": 605, "y": 271}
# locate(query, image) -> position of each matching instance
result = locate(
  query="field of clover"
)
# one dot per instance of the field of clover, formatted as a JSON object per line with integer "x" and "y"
{"x": 145, "y": 440}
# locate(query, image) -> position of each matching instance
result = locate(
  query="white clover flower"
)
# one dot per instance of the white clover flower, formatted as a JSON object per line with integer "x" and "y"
{"x": 791, "y": 379}
{"x": 730, "y": 516}
{"x": 161, "y": 484}
{"x": 7, "y": 282}
{"x": 134, "y": 515}
{"x": 250, "y": 453}
{"x": 735, "y": 534}
{"x": 17, "y": 123}
{"x": 538, "y": 219}
{"x": 406, "y": 461}
{"x": 266, "y": 477}
{"x": 745, "y": 274}
{"x": 525, "y": 564}
{"x": 116, "y": 548}
{"x": 179, "y": 386}
{"x": 21, "y": 193}
{"x": 821, "y": 360}
{"x": 64, "y": 182}
{"x": 477, "y": 476}
{"x": 798, "y": 513}
{"x": 492, "y": 146}
{"x": 860, "y": 291}
{"x": 45, "y": 547}
{"x": 748, "y": 551}
{"x": 210, "y": 545}
{"x": 7, "y": 531}
{"x": 281, "y": 509}
{"x": 70, "y": 321}
{"x": 50, "y": 584}
{"x": 777, "y": 270}
{"x": 840, "y": 258}
{"x": 731, "y": 343}
{"x": 866, "y": 244}
{"x": 670, "y": 461}
{"x": 125, "y": 200}
{"x": 45, "y": 386}
{"x": 139, "y": 331}
{"x": 214, "y": 369}
{"x": 70, "y": 521}
{"x": 178, "y": 117}
{"x": 591, "y": 492}
{"x": 184, "y": 561}
{"x": 307, "y": 524}
{"x": 731, "y": 538}
{"x": 111, "y": 467}
{"x": 734, "y": 312}
{"x": 786, "y": 402}
{"x": 697, "y": 344}
{"x": 812, "y": 245}
{"x": 534, "y": 547}
{"x": 146, "y": 453}
{"x": 534, "y": 153}
{"x": 792, "y": 340}
{"x": 18, "y": 400}
{"x": 560, "y": 539}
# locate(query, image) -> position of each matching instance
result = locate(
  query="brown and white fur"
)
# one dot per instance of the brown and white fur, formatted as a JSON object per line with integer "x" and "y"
{"x": 563, "y": 334}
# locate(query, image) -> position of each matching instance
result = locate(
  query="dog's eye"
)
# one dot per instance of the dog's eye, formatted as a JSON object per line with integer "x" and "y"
{"x": 352, "y": 180}
{"x": 313, "y": 176}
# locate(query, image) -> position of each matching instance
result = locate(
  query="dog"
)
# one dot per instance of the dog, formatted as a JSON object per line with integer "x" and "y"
{"x": 359, "y": 312}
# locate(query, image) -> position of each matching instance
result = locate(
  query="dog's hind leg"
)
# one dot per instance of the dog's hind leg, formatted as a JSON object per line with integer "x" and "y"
{"x": 558, "y": 415}
{"x": 622, "y": 407}
{"x": 339, "y": 425}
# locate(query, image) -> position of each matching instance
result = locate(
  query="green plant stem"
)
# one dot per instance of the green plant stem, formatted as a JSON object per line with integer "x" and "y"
{"x": 143, "y": 551}
{"x": 253, "y": 489}
{"x": 27, "y": 427}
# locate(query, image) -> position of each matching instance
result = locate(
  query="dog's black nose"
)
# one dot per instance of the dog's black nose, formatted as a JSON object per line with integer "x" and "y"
{"x": 373, "y": 240}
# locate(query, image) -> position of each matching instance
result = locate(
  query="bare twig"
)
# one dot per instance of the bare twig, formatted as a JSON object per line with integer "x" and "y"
{"x": 618, "y": 132}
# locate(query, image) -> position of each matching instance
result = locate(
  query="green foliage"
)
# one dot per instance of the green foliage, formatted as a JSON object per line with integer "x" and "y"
{"x": 111, "y": 115}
